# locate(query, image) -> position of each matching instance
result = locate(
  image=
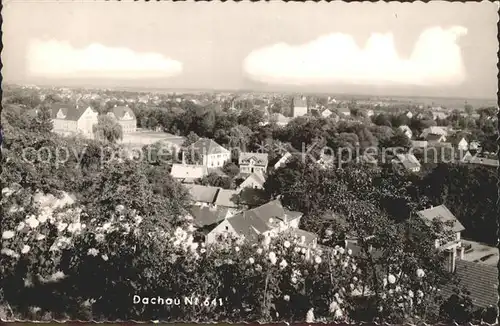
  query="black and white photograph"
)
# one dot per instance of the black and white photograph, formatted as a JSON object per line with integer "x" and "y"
{"x": 249, "y": 162}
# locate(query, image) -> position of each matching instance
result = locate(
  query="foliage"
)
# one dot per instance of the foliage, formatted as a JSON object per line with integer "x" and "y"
{"x": 108, "y": 129}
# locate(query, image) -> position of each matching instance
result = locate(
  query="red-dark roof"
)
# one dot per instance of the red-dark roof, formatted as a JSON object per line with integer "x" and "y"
{"x": 204, "y": 216}
{"x": 443, "y": 214}
{"x": 71, "y": 111}
{"x": 119, "y": 112}
{"x": 479, "y": 279}
{"x": 207, "y": 146}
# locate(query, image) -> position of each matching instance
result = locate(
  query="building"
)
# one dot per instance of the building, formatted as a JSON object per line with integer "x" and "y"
{"x": 434, "y": 130}
{"x": 345, "y": 111}
{"x": 188, "y": 173}
{"x": 202, "y": 195}
{"x": 407, "y": 161}
{"x": 252, "y": 162}
{"x": 326, "y": 113}
{"x": 210, "y": 153}
{"x": 480, "y": 280}
{"x": 451, "y": 242}
{"x": 406, "y": 130}
{"x": 69, "y": 119}
{"x": 439, "y": 115}
{"x": 279, "y": 119}
{"x": 263, "y": 220}
{"x": 282, "y": 161}
{"x": 299, "y": 106}
{"x": 409, "y": 114}
{"x": 255, "y": 180}
{"x": 125, "y": 117}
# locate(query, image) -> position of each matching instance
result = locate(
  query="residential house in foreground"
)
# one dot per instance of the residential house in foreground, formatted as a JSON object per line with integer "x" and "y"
{"x": 253, "y": 162}
{"x": 407, "y": 161}
{"x": 211, "y": 154}
{"x": 263, "y": 220}
{"x": 480, "y": 280}
{"x": 451, "y": 244}
{"x": 70, "y": 119}
{"x": 188, "y": 173}
{"x": 125, "y": 117}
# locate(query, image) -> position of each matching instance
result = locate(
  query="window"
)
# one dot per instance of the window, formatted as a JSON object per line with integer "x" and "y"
{"x": 227, "y": 228}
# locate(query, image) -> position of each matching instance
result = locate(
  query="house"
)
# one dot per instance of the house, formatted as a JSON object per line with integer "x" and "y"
{"x": 188, "y": 173}
{"x": 326, "y": 113}
{"x": 211, "y": 154}
{"x": 409, "y": 114}
{"x": 299, "y": 106}
{"x": 480, "y": 280}
{"x": 227, "y": 198}
{"x": 263, "y": 220}
{"x": 345, "y": 111}
{"x": 435, "y": 130}
{"x": 439, "y": 115}
{"x": 203, "y": 195}
{"x": 408, "y": 161}
{"x": 69, "y": 119}
{"x": 125, "y": 117}
{"x": 252, "y": 162}
{"x": 282, "y": 161}
{"x": 453, "y": 244}
{"x": 206, "y": 216}
{"x": 419, "y": 143}
{"x": 255, "y": 180}
{"x": 406, "y": 130}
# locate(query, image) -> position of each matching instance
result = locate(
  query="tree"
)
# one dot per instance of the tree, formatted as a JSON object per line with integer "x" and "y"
{"x": 231, "y": 169}
{"x": 108, "y": 129}
{"x": 42, "y": 121}
{"x": 398, "y": 140}
{"x": 216, "y": 180}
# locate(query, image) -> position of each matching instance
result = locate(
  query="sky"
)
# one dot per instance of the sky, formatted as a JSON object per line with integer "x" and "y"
{"x": 419, "y": 49}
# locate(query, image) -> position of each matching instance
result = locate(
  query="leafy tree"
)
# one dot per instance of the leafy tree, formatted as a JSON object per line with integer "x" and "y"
{"x": 216, "y": 180}
{"x": 231, "y": 169}
{"x": 108, "y": 129}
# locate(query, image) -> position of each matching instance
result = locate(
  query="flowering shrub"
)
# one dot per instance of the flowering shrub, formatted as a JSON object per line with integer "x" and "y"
{"x": 94, "y": 266}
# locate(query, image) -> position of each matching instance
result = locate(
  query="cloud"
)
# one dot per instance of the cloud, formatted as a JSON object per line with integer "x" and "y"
{"x": 61, "y": 60}
{"x": 335, "y": 58}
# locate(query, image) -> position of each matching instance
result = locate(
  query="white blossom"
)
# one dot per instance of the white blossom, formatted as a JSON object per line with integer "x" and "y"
{"x": 283, "y": 264}
{"x": 9, "y": 252}
{"x": 294, "y": 280}
{"x": 310, "y": 316}
{"x": 286, "y": 297}
{"x": 391, "y": 278}
{"x": 420, "y": 273}
{"x": 8, "y": 234}
{"x": 40, "y": 237}
{"x": 384, "y": 281}
{"x": 237, "y": 249}
{"x": 203, "y": 250}
{"x": 349, "y": 251}
{"x": 120, "y": 208}
{"x": 328, "y": 232}
{"x": 32, "y": 222}
{"x": 20, "y": 226}
{"x": 93, "y": 252}
{"x": 106, "y": 226}
{"x": 341, "y": 250}
{"x": 251, "y": 260}
{"x": 105, "y": 257}
{"x": 317, "y": 260}
{"x": 259, "y": 251}
{"x": 61, "y": 226}
{"x": 304, "y": 250}
{"x": 25, "y": 249}
{"x": 410, "y": 293}
{"x": 296, "y": 249}
{"x": 338, "y": 313}
{"x": 333, "y": 306}
{"x": 286, "y": 244}
{"x": 74, "y": 227}
{"x": 420, "y": 293}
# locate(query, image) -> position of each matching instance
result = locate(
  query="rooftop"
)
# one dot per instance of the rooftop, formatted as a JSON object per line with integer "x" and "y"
{"x": 443, "y": 214}
{"x": 207, "y": 146}
{"x": 258, "y": 158}
{"x": 203, "y": 194}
